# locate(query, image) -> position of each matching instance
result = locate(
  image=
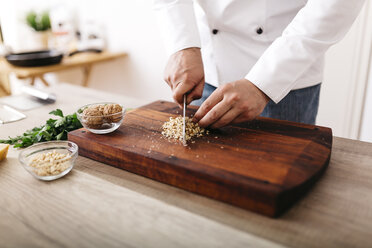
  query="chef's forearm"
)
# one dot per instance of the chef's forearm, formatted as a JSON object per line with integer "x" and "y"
{"x": 315, "y": 28}
{"x": 177, "y": 22}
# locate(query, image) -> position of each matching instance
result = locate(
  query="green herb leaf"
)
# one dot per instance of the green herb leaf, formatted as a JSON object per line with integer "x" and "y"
{"x": 60, "y": 122}
{"x": 57, "y": 112}
{"x": 53, "y": 129}
{"x": 60, "y": 135}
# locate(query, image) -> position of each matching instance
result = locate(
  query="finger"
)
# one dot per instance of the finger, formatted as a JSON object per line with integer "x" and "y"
{"x": 173, "y": 85}
{"x": 208, "y": 104}
{"x": 215, "y": 114}
{"x": 181, "y": 89}
{"x": 196, "y": 92}
{"x": 243, "y": 117}
{"x": 227, "y": 118}
{"x": 169, "y": 84}
{"x": 169, "y": 81}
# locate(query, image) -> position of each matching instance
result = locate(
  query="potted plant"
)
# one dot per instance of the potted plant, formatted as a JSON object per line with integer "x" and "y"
{"x": 40, "y": 23}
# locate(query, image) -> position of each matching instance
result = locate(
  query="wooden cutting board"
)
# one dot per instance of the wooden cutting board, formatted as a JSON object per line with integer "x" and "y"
{"x": 264, "y": 165}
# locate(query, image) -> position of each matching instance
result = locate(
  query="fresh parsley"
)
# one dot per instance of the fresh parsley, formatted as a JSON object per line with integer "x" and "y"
{"x": 53, "y": 129}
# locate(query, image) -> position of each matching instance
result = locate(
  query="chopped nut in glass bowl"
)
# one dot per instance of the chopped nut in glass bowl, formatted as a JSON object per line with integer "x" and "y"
{"x": 101, "y": 118}
{"x": 49, "y": 160}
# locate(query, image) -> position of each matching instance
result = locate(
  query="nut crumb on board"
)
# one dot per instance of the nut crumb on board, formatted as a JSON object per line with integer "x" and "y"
{"x": 172, "y": 129}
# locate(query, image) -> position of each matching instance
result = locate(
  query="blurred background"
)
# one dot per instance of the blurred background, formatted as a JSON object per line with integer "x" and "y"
{"x": 127, "y": 27}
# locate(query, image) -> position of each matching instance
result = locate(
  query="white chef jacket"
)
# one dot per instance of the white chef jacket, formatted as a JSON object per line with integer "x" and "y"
{"x": 278, "y": 45}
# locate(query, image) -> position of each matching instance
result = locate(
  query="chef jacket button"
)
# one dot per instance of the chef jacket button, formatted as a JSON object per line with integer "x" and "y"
{"x": 259, "y": 30}
{"x": 215, "y": 31}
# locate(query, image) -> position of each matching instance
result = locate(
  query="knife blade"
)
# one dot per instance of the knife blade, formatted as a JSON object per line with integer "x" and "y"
{"x": 9, "y": 114}
{"x": 184, "y": 121}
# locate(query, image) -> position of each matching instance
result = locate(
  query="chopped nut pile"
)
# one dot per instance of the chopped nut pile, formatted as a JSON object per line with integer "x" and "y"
{"x": 172, "y": 129}
{"x": 96, "y": 115}
{"x": 50, "y": 163}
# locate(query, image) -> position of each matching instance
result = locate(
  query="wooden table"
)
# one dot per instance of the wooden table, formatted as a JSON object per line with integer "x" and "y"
{"x": 82, "y": 60}
{"x": 100, "y": 206}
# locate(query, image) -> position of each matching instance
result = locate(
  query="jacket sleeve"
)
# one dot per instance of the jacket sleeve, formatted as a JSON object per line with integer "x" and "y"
{"x": 176, "y": 19}
{"x": 317, "y": 26}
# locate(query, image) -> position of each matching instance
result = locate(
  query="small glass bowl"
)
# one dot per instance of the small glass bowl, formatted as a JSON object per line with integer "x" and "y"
{"x": 100, "y": 124}
{"x": 64, "y": 147}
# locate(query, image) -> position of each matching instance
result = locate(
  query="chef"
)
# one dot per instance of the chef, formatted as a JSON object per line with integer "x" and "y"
{"x": 244, "y": 58}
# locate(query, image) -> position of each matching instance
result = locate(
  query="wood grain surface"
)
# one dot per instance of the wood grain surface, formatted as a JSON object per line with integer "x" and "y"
{"x": 264, "y": 165}
{"x": 96, "y": 205}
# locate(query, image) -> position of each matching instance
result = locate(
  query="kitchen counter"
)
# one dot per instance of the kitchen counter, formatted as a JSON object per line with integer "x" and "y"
{"x": 97, "y": 205}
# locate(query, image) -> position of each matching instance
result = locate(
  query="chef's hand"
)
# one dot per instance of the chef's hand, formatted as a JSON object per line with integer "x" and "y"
{"x": 184, "y": 73}
{"x": 231, "y": 103}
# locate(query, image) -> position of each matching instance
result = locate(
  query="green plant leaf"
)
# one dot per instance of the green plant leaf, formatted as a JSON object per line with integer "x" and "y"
{"x": 38, "y": 21}
{"x": 53, "y": 129}
{"x": 57, "y": 112}
{"x": 60, "y": 122}
{"x": 60, "y": 135}
{"x": 31, "y": 20}
{"x": 45, "y": 21}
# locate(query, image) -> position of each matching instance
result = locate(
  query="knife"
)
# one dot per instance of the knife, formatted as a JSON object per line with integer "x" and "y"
{"x": 184, "y": 121}
{"x": 38, "y": 94}
{"x": 8, "y": 114}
